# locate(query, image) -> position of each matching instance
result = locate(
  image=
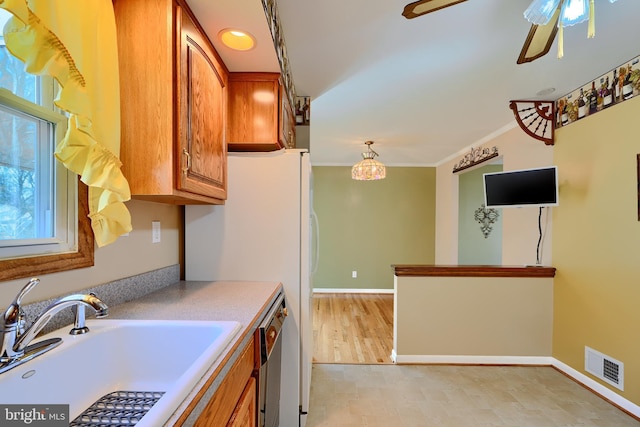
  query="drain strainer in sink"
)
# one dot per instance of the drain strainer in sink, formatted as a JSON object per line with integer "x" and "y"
{"x": 120, "y": 408}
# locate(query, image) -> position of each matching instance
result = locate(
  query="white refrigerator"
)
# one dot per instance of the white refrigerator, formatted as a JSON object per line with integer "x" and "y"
{"x": 266, "y": 231}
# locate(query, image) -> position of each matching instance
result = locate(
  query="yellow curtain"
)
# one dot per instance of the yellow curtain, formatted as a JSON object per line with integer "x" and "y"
{"x": 74, "y": 41}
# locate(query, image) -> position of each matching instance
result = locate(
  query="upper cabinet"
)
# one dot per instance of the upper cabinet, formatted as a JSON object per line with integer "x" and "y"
{"x": 173, "y": 88}
{"x": 260, "y": 116}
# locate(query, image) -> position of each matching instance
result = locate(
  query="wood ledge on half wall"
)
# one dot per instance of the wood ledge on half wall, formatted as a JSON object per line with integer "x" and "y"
{"x": 472, "y": 270}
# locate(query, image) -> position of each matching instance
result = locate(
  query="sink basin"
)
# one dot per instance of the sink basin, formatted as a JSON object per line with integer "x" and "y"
{"x": 130, "y": 355}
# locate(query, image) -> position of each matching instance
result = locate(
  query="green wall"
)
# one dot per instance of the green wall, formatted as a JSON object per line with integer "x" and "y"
{"x": 473, "y": 246}
{"x": 367, "y": 226}
{"x": 596, "y": 242}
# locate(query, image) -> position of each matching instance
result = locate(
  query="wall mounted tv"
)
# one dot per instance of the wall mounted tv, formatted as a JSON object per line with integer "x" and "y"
{"x": 521, "y": 188}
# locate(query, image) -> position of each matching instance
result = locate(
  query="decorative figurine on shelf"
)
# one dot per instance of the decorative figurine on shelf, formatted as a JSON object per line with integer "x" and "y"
{"x": 303, "y": 110}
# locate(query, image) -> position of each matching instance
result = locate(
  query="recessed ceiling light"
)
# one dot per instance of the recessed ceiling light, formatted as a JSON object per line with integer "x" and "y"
{"x": 237, "y": 39}
{"x": 547, "y": 91}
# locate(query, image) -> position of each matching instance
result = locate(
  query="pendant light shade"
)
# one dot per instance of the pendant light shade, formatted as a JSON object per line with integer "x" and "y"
{"x": 368, "y": 169}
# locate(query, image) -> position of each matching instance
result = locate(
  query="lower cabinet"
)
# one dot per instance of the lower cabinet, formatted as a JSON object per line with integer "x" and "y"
{"x": 235, "y": 401}
{"x": 246, "y": 411}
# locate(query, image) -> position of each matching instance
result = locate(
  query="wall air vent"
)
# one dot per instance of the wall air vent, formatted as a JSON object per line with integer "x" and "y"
{"x": 604, "y": 367}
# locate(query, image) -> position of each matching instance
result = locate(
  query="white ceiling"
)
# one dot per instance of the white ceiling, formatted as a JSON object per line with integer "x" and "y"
{"x": 424, "y": 89}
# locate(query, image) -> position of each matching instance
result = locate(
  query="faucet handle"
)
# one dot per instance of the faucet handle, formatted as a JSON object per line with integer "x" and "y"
{"x": 14, "y": 313}
{"x": 30, "y": 285}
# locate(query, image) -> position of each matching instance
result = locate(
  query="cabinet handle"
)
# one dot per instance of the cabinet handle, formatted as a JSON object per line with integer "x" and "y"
{"x": 188, "y": 155}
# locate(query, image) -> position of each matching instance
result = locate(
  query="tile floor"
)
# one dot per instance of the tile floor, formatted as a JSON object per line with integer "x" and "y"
{"x": 454, "y": 396}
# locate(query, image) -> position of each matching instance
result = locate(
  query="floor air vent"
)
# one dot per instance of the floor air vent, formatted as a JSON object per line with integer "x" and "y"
{"x": 604, "y": 367}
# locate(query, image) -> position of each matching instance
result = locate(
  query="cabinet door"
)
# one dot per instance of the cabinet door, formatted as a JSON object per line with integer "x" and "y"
{"x": 224, "y": 402}
{"x": 202, "y": 94}
{"x": 254, "y": 112}
{"x": 245, "y": 414}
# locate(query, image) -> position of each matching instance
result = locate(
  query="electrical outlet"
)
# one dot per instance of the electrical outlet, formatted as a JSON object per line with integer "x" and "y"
{"x": 354, "y": 274}
{"x": 155, "y": 231}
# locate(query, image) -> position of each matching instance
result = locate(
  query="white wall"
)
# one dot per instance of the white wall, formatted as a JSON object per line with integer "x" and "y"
{"x": 520, "y": 226}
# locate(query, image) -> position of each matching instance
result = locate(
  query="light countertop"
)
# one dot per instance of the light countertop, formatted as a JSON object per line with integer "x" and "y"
{"x": 244, "y": 302}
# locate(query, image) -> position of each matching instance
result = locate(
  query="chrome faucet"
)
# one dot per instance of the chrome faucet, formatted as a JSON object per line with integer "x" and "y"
{"x": 15, "y": 345}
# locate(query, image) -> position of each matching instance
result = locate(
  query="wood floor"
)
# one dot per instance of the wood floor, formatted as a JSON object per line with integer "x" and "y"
{"x": 352, "y": 328}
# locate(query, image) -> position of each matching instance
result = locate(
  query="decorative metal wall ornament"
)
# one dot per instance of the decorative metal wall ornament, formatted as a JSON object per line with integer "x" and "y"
{"x": 486, "y": 218}
{"x": 536, "y": 118}
{"x": 474, "y": 157}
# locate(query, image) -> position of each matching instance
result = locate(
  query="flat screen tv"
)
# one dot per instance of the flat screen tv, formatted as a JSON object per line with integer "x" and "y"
{"x": 520, "y": 188}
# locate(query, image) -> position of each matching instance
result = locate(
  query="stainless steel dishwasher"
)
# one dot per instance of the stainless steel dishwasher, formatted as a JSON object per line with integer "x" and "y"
{"x": 270, "y": 364}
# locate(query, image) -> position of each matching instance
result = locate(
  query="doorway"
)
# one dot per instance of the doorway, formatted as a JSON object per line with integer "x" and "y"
{"x": 479, "y": 229}
{"x": 352, "y": 328}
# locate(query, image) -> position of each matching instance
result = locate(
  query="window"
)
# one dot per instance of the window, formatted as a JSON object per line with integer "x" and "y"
{"x": 38, "y": 196}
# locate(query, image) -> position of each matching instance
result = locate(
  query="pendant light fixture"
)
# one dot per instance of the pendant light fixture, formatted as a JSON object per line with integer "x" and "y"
{"x": 368, "y": 169}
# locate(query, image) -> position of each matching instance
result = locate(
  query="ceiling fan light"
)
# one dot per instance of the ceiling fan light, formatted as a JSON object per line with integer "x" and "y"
{"x": 574, "y": 12}
{"x": 540, "y": 12}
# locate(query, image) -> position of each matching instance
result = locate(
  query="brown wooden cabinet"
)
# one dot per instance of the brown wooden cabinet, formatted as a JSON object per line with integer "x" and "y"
{"x": 235, "y": 402}
{"x": 246, "y": 410}
{"x": 260, "y": 116}
{"x": 173, "y": 89}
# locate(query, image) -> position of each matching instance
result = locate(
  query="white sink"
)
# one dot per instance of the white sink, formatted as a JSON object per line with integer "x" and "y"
{"x": 127, "y": 355}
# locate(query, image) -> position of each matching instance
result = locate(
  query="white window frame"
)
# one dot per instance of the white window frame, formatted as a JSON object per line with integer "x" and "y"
{"x": 65, "y": 189}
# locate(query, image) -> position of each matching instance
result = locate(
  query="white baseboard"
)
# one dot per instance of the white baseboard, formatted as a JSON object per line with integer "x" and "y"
{"x": 351, "y": 291}
{"x": 584, "y": 380}
{"x": 598, "y": 388}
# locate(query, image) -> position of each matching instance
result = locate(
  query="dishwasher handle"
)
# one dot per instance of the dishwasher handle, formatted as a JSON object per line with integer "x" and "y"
{"x": 271, "y": 327}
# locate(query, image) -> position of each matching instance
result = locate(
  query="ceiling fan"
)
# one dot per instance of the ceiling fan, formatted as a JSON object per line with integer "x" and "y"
{"x": 543, "y": 14}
